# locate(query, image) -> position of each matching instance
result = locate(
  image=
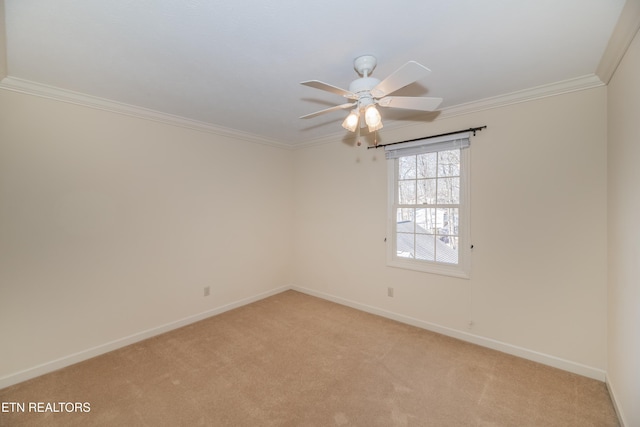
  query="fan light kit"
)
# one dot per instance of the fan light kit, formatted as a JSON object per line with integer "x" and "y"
{"x": 367, "y": 92}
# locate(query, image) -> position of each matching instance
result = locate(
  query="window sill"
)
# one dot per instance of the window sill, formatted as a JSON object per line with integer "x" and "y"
{"x": 430, "y": 267}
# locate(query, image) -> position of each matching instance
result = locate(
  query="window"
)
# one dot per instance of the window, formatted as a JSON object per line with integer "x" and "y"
{"x": 428, "y": 205}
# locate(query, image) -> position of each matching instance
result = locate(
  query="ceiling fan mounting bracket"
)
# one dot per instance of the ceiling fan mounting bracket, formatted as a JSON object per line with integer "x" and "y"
{"x": 365, "y": 64}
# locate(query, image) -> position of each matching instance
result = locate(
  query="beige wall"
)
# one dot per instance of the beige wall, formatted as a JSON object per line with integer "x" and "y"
{"x": 623, "y": 369}
{"x": 111, "y": 226}
{"x": 538, "y": 215}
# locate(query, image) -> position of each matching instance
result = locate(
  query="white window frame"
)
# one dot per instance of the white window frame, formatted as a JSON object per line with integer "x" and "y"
{"x": 463, "y": 268}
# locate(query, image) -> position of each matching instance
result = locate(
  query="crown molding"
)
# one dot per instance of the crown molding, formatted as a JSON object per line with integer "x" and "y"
{"x": 45, "y": 91}
{"x": 622, "y": 36}
{"x": 565, "y": 86}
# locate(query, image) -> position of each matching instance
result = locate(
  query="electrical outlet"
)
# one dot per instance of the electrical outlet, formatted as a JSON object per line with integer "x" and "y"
{"x": 207, "y": 291}
{"x": 390, "y": 292}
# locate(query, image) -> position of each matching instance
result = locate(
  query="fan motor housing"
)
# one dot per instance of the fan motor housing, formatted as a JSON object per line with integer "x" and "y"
{"x": 363, "y": 84}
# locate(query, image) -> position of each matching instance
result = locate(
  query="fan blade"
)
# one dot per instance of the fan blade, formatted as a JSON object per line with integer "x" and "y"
{"x": 403, "y": 76}
{"x": 317, "y": 84}
{"x": 410, "y": 102}
{"x": 328, "y": 110}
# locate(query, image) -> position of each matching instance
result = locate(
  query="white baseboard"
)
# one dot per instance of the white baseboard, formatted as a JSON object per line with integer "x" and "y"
{"x": 80, "y": 356}
{"x": 556, "y": 362}
{"x": 614, "y": 400}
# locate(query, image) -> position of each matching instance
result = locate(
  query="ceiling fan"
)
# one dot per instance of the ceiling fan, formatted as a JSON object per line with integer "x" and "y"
{"x": 366, "y": 92}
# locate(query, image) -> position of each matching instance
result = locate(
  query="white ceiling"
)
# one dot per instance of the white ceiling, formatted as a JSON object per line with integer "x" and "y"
{"x": 236, "y": 65}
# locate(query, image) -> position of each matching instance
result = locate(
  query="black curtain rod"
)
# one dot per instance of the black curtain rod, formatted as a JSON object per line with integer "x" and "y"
{"x": 474, "y": 130}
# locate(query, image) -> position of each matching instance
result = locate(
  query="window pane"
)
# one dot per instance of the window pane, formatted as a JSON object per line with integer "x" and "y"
{"x": 448, "y": 191}
{"x": 405, "y": 232}
{"x": 404, "y": 245}
{"x": 425, "y": 249}
{"x": 407, "y": 167}
{"x": 427, "y": 165}
{"x": 427, "y": 191}
{"x": 447, "y": 249}
{"x": 447, "y": 221}
{"x": 405, "y": 220}
{"x": 421, "y": 221}
{"x": 432, "y": 225}
{"x": 449, "y": 163}
{"x": 425, "y": 221}
{"x": 407, "y": 192}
